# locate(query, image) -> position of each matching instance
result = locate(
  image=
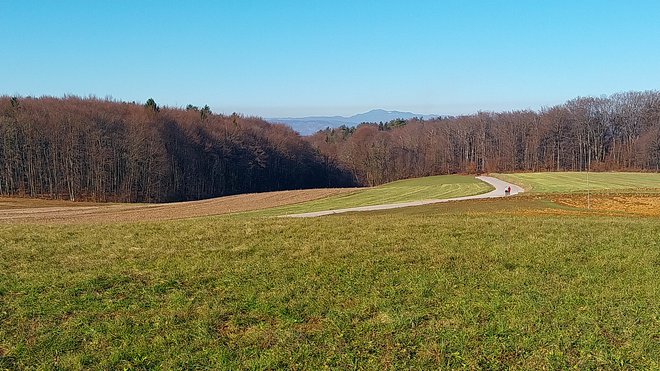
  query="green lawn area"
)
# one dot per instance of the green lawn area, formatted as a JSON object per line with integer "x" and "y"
{"x": 441, "y": 286}
{"x": 433, "y": 187}
{"x": 565, "y": 182}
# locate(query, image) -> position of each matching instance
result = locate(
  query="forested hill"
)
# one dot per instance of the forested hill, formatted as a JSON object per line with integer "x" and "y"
{"x": 620, "y": 132}
{"x": 90, "y": 149}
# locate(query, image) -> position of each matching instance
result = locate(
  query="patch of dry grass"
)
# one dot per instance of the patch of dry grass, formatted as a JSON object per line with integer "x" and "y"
{"x": 8, "y": 203}
{"x": 642, "y": 204}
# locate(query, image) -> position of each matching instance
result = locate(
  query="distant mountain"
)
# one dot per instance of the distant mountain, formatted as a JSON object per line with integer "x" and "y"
{"x": 379, "y": 115}
{"x": 312, "y": 124}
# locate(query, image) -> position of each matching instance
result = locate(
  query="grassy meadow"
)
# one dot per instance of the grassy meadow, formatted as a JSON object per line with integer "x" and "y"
{"x": 417, "y": 189}
{"x": 565, "y": 182}
{"x": 520, "y": 282}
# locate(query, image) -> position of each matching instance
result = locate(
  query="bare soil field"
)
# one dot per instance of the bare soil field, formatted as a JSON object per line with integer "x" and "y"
{"x": 19, "y": 210}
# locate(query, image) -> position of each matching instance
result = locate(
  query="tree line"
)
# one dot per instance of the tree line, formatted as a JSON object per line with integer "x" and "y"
{"x": 619, "y": 132}
{"x": 102, "y": 150}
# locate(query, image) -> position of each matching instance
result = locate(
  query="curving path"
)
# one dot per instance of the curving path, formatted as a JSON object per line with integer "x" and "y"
{"x": 499, "y": 185}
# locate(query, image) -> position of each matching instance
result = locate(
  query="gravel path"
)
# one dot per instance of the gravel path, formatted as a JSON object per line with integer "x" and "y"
{"x": 499, "y": 185}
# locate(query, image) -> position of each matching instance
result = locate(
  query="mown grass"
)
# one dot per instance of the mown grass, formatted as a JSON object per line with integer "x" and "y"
{"x": 433, "y": 187}
{"x": 565, "y": 182}
{"x": 483, "y": 284}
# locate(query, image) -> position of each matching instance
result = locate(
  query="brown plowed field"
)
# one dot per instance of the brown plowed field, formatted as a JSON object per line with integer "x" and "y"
{"x": 18, "y": 210}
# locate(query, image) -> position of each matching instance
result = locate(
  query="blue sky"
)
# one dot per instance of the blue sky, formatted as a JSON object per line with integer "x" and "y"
{"x": 294, "y": 58}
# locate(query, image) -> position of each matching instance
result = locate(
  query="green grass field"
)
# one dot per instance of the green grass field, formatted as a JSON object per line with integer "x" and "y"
{"x": 434, "y": 187}
{"x": 486, "y": 284}
{"x": 517, "y": 283}
{"x": 565, "y": 182}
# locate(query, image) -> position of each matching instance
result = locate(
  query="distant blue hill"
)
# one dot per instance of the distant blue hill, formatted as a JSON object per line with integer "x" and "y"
{"x": 312, "y": 124}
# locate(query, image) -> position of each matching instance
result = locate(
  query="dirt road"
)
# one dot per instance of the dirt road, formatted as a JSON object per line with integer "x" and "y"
{"x": 499, "y": 185}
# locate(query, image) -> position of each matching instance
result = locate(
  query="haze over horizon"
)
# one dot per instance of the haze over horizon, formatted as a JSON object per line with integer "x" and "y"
{"x": 297, "y": 59}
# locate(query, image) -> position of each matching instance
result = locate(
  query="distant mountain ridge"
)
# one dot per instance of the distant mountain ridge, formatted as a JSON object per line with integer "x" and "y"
{"x": 311, "y": 124}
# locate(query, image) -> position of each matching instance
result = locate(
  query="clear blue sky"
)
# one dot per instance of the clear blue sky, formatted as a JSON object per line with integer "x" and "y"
{"x": 294, "y": 58}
